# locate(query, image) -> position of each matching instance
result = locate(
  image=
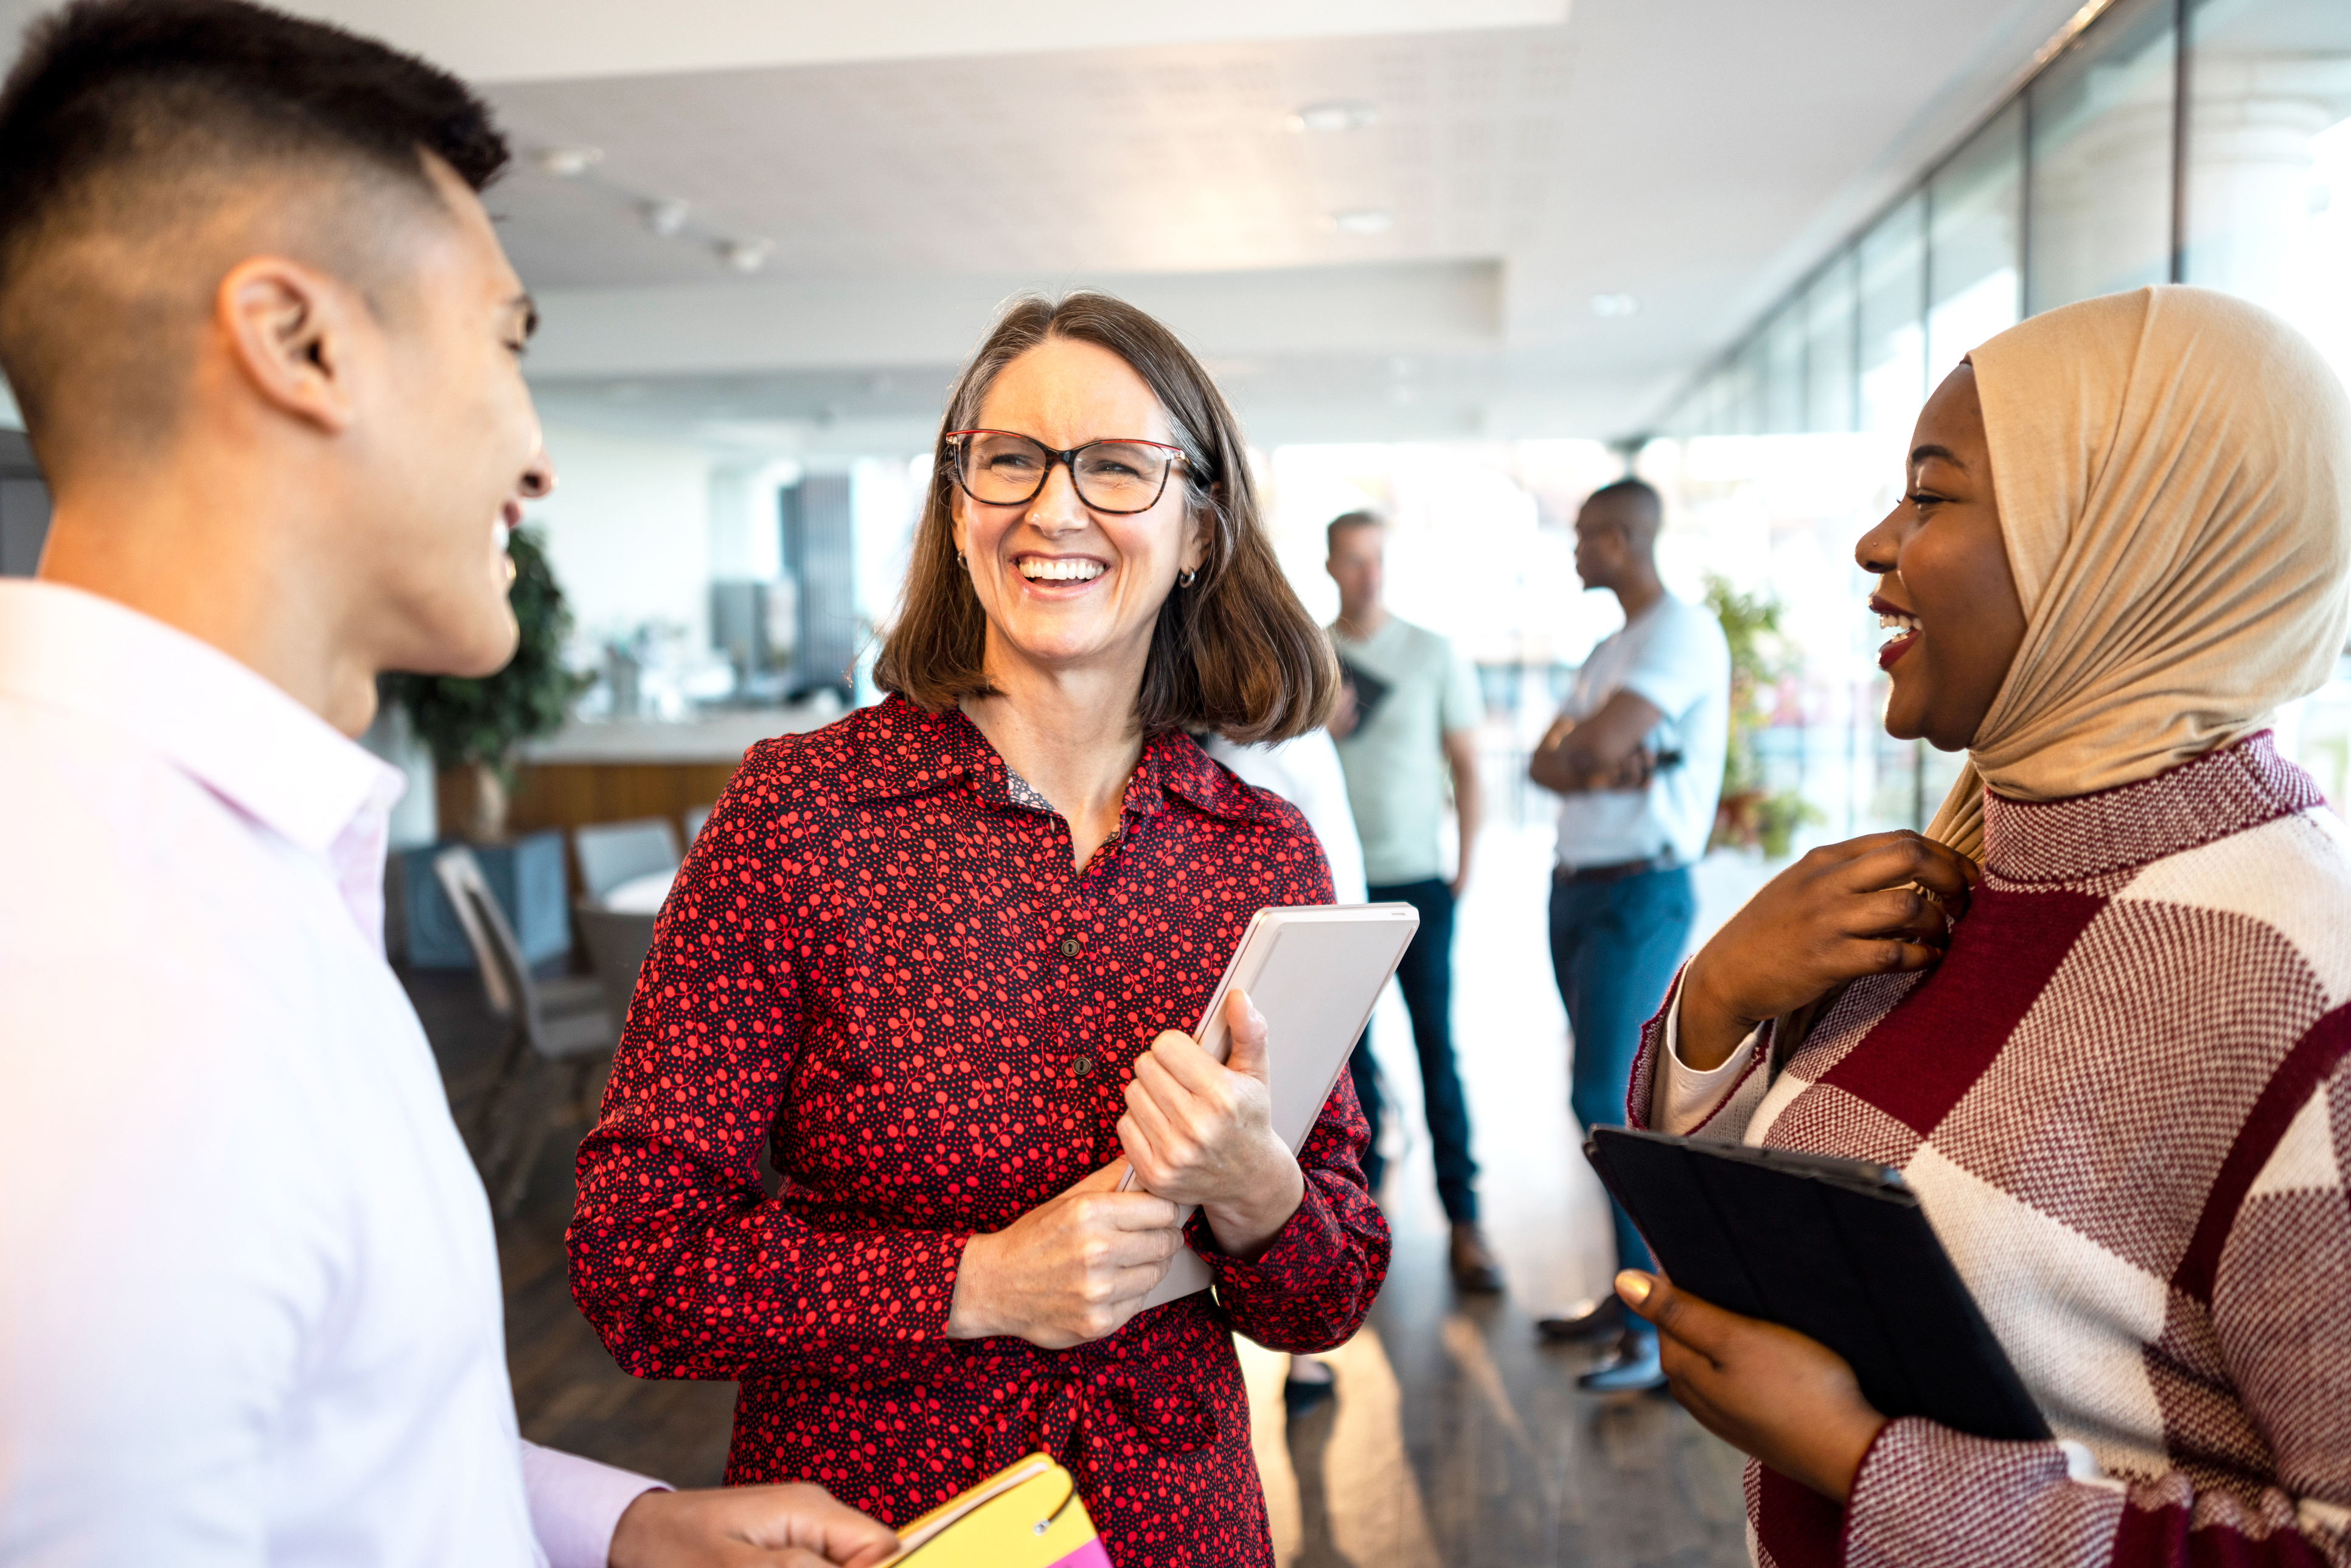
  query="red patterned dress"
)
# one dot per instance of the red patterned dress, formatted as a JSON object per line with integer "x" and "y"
{"x": 879, "y": 966}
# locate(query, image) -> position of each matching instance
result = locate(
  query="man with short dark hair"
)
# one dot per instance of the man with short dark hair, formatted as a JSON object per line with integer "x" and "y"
{"x": 1635, "y": 757}
{"x": 1406, "y": 728}
{"x": 266, "y": 346}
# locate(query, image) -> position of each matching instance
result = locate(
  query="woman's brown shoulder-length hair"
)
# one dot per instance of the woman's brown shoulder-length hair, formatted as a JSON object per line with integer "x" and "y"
{"x": 1235, "y": 652}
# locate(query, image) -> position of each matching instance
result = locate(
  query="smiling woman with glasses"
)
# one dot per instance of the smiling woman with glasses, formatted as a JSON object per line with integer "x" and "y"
{"x": 923, "y": 961}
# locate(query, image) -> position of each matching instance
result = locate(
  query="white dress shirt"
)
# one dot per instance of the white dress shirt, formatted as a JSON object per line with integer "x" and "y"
{"x": 249, "y": 1299}
{"x": 1304, "y": 770}
{"x": 1672, "y": 655}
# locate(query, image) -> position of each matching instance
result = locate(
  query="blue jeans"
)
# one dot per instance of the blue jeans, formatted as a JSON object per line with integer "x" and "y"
{"x": 1613, "y": 946}
{"x": 1426, "y": 976}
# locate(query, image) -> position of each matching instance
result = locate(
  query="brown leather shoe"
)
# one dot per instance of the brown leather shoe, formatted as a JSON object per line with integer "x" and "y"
{"x": 1583, "y": 1323}
{"x": 1474, "y": 1268}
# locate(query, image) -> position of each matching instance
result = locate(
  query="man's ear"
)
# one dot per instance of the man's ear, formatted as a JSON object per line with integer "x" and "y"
{"x": 288, "y": 330}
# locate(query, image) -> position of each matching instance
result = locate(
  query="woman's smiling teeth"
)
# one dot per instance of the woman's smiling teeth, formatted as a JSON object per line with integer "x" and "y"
{"x": 1064, "y": 569}
{"x": 1905, "y": 628}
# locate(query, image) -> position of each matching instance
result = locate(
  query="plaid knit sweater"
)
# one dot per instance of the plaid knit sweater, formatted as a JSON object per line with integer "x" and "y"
{"x": 2124, "y": 1099}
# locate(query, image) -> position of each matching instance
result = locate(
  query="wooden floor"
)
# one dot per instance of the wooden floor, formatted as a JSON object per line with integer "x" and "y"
{"x": 1455, "y": 1439}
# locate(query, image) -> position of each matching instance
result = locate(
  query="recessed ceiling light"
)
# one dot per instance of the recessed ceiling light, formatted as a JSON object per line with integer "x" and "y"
{"x": 1364, "y": 221}
{"x": 664, "y": 215}
{"x": 1615, "y": 305}
{"x": 746, "y": 254}
{"x": 566, "y": 163}
{"x": 1340, "y": 114}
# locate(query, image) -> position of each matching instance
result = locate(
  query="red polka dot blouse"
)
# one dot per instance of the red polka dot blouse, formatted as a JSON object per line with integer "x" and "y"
{"x": 879, "y": 966}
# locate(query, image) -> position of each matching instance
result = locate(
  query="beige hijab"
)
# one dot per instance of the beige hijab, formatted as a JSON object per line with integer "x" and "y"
{"x": 2173, "y": 468}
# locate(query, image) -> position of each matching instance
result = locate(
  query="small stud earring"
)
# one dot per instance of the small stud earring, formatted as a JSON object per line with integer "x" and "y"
{"x": 1187, "y": 577}
{"x": 961, "y": 562}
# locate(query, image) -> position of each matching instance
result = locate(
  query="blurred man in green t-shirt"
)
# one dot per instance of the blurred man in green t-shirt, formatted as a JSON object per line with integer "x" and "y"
{"x": 1406, "y": 728}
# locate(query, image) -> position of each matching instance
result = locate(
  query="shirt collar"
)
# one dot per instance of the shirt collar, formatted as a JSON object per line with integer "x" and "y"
{"x": 216, "y": 719}
{"x": 931, "y": 750}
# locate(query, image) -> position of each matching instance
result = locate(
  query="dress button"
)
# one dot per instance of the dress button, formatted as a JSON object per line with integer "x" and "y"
{"x": 1069, "y": 947}
{"x": 1081, "y": 1066}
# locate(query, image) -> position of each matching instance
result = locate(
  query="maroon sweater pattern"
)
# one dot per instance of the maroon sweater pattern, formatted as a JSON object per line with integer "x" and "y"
{"x": 2125, "y": 1101}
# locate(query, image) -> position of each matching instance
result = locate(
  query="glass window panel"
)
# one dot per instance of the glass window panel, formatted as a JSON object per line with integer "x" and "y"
{"x": 1892, "y": 266}
{"x": 1974, "y": 261}
{"x": 2269, "y": 159}
{"x": 2102, "y": 156}
{"x": 1710, "y": 405}
{"x": 1707, "y": 406}
{"x": 1717, "y": 404}
{"x": 1675, "y": 423}
{"x": 1830, "y": 377}
{"x": 2269, "y": 218}
{"x": 1783, "y": 370}
{"x": 1743, "y": 411}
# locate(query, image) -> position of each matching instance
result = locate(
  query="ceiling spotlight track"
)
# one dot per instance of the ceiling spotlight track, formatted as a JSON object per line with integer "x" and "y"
{"x": 566, "y": 163}
{"x": 671, "y": 217}
{"x": 746, "y": 254}
{"x": 1338, "y": 115}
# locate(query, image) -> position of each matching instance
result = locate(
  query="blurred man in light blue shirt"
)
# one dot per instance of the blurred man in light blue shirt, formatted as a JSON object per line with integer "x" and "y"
{"x": 1635, "y": 757}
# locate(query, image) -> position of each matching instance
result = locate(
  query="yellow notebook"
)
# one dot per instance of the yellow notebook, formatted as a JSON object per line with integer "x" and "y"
{"x": 1026, "y": 1515}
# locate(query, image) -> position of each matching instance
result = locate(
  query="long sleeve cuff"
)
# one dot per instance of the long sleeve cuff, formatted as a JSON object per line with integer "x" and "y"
{"x": 1309, "y": 1288}
{"x": 576, "y": 1504}
{"x": 1684, "y": 1096}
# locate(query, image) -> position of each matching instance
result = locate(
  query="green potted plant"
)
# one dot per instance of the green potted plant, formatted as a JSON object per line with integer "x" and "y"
{"x": 1749, "y": 816}
{"x": 473, "y": 727}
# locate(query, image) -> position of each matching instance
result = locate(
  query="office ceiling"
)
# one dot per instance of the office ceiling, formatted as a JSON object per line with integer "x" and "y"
{"x": 851, "y": 189}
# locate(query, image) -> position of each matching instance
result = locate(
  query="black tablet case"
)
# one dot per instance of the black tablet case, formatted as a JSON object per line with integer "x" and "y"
{"x": 1837, "y": 1250}
{"x": 1370, "y": 690}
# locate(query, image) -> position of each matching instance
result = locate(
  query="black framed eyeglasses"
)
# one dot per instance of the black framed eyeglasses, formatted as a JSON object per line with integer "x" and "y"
{"x": 999, "y": 468}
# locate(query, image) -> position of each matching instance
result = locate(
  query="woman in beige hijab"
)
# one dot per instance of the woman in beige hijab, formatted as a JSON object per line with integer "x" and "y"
{"x": 2101, "y": 1017}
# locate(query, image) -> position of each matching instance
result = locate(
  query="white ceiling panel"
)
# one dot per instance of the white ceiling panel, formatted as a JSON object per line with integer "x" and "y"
{"x": 883, "y": 323}
{"x": 1163, "y": 159}
{"x": 538, "y": 40}
{"x": 1695, "y": 156}
{"x": 894, "y": 167}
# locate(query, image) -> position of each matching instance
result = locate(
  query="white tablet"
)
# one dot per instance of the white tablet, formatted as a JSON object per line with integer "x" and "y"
{"x": 1315, "y": 973}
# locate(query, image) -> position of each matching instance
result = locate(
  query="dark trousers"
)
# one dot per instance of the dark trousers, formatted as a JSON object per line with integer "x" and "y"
{"x": 1426, "y": 976}
{"x": 1364, "y": 1069}
{"x": 1613, "y": 946}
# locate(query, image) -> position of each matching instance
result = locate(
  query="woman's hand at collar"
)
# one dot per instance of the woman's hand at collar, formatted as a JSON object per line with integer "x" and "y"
{"x": 1201, "y": 1132}
{"x": 1768, "y": 1391}
{"x": 1843, "y": 912}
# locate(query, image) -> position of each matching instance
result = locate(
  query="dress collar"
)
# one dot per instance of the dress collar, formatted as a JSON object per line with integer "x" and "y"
{"x": 2089, "y": 836}
{"x": 930, "y": 751}
{"x": 216, "y": 720}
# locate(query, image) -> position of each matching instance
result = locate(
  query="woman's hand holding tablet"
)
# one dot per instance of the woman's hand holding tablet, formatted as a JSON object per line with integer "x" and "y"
{"x": 1199, "y": 1130}
{"x": 1196, "y": 1131}
{"x": 1071, "y": 1269}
